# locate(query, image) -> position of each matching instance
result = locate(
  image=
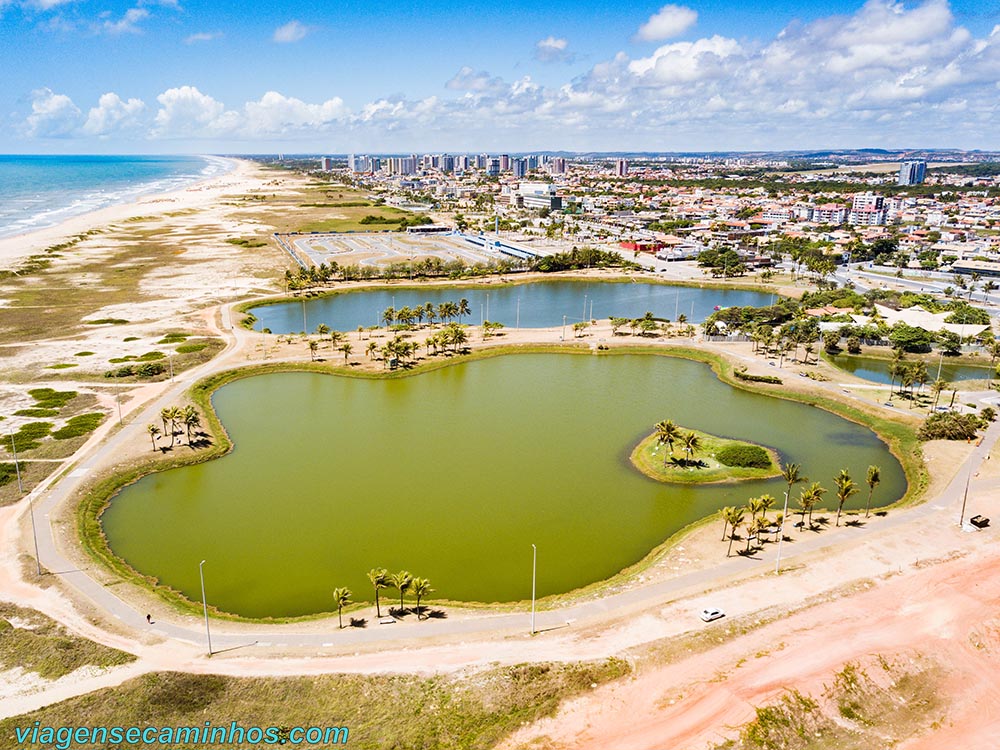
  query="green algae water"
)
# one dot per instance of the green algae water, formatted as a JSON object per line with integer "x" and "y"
{"x": 452, "y": 475}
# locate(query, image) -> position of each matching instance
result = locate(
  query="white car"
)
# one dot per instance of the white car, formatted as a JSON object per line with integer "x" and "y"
{"x": 711, "y": 614}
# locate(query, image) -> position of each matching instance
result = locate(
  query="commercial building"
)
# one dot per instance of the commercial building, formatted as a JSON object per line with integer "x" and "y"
{"x": 912, "y": 172}
{"x": 326, "y": 164}
{"x": 621, "y": 167}
{"x": 539, "y": 195}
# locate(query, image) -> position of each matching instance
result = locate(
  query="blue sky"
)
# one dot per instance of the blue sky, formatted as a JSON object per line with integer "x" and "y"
{"x": 159, "y": 76}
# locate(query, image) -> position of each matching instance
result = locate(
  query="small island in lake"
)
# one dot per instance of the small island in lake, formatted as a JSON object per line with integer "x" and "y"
{"x": 675, "y": 454}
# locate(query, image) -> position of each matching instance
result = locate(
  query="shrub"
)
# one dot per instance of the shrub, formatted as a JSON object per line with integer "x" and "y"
{"x": 79, "y": 425}
{"x": 149, "y": 369}
{"x": 36, "y": 412}
{"x": 122, "y": 372}
{"x": 743, "y": 455}
{"x": 150, "y": 356}
{"x": 191, "y": 348}
{"x": 31, "y": 434}
{"x": 84, "y": 354}
{"x": 742, "y": 374}
{"x": 7, "y": 473}
{"x": 47, "y": 398}
{"x": 106, "y": 321}
{"x": 949, "y": 426}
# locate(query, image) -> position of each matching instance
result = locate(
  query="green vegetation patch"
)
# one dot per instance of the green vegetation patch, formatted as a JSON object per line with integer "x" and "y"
{"x": 8, "y": 473}
{"x": 61, "y": 366}
{"x": 381, "y": 711}
{"x": 48, "y": 398}
{"x": 84, "y": 354}
{"x": 36, "y": 412}
{"x": 30, "y": 435}
{"x": 174, "y": 338}
{"x": 106, "y": 321}
{"x": 702, "y": 463}
{"x": 744, "y": 455}
{"x": 246, "y": 242}
{"x": 145, "y": 370}
{"x": 79, "y": 425}
{"x": 130, "y": 338}
{"x": 950, "y": 426}
{"x": 37, "y": 644}
{"x": 191, "y": 348}
{"x": 150, "y": 356}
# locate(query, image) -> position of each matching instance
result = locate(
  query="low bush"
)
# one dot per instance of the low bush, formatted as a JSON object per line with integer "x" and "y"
{"x": 742, "y": 374}
{"x": 79, "y": 425}
{"x": 48, "y": 398}
{"x": 31, "y": 434}
{"x": 741, "y": 454}
{"x": 191, "y": 348}
{"x": 36, "y": 412}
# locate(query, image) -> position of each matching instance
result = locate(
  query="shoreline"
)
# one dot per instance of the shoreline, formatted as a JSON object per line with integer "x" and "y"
{"x": 85, "y": 513}
{"x": 200, "y": 193}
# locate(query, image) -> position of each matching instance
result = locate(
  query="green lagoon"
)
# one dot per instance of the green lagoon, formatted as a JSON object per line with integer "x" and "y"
{"x": 452, "y": 474}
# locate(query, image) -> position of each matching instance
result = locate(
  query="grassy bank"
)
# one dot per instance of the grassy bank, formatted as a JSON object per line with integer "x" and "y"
{"x": 470, "y": 711}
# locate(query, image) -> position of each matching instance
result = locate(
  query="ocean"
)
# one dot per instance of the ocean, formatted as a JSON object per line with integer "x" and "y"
{"x": 42, "y": 191}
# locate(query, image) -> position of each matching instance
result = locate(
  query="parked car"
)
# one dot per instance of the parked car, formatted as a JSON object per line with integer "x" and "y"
{"x": 712, "y": 614}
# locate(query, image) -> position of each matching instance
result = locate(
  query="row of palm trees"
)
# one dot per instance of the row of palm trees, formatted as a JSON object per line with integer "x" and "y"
{"x": 173, "y": 416}
{"x": 809, "y": 497}
{"x": 784, "y": 340}
{"x": 669, "y": 433}
{"x": 445, "y": 312}
{"x": 403, "y": 581}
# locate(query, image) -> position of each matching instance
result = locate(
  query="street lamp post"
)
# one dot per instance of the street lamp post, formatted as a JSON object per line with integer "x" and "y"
{"x": 31, "y": 505}
{"x": 563, "y": 337}
{"x": 534, "y": 565}
{"x": 517, "y": 325}
{"x": 204, "y": 604}
{"x": 965, "y": 497}
{"x": 781, "y": 534}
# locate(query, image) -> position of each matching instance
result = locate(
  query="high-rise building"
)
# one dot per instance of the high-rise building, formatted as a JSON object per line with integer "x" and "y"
{"x": 519, "y": 167}
{"x": 557, "y": 165}
{"x": 912, "y": 172}
{"x": 481, "y": 161}
{"x": 447, "y": 163}
{"x": 504, "y": 162}
{"x": 621, "y": 167}
{"x": 326, "y": 163}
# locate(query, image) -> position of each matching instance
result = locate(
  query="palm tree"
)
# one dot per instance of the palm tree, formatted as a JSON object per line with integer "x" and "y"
{"x": 755, "y": 505}
{"x": 936, "y": 387}
{"x": 420, "y": 587}
{"x": 380, "y": 580}
{"x": 346, "y": 348}
{"x": 388, "y": 316}
{"x": 724, "y": 513}
{"x": 767, "y": 502}
{"x": 463, "y": 308}
{"x": 429, "y": 313}
{"x": 153, "y": 431}
{"x": 845, "y": 488}
{"x": 735, "y": 519}
{"x": 313, "y": 348}
{"x": 667, "y": 432}
{"x": 165, "y": 417}
{"x": 175, "y": 416}
{"x": 402, "y": 581}
{"x": 191, "y": 420}
{"x": 691, "y": 445}
{"x": 809, "y": 499}
{"x": 371, "y": 349}
{"x": 341, "y": 597}
{"x": 322, "y": 329}
{"x": 790, "y": 473}
{"x": 873, "y": 480}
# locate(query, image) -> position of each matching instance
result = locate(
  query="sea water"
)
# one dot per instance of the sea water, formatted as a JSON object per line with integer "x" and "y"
{"x": 42, "y": 191}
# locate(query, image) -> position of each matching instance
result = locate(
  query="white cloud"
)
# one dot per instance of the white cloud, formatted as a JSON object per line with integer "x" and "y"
{"x": 127, "y": 24}
{"x": 113, "y": 115}
{"x": 685, "y": 62}
{"x": 185, "y": 112}
{"x": 552, "y": 49}
{"x": 275, "y": 114}
{"x": 292, "y": 31}
{"x": 203, "y": 36}
{"x": 670, "y": 21}
{"x": 52, "y": 115}
{"x": 468, "y": 79}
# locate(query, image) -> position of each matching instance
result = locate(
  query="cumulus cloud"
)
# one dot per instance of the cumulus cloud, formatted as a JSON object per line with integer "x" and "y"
{"x": 293, "y": 31}
{"x": 113, "y": 115}
{"x": 185, "y": 112}
{"x": 52, "y": 115}
{"x": 552, "y": 49}
{"x": 468, "y": 79}
{"x": 275, "y": 114}
{"x": 203, "y": 36}
{"x": 670, "y": 21}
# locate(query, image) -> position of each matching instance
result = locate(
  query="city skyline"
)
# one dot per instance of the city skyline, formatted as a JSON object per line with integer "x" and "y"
{"x": 168, "y": 76}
